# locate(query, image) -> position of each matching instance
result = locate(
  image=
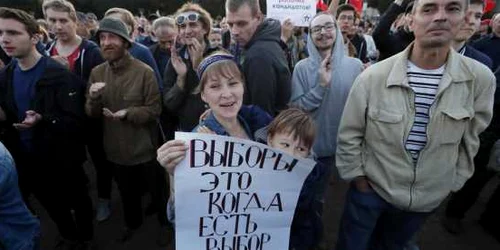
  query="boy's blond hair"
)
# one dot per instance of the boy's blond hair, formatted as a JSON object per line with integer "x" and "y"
{"x": 60, "y": 6}
{"x": 294, "y": 121}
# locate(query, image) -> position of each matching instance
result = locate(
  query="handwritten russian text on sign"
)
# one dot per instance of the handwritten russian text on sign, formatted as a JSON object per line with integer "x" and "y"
{"x": 235, "y": 194}
{"x": 299, "y": 11}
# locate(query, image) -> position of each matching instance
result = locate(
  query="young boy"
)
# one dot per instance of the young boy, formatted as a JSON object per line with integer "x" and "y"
{"x": 293, "y": 131}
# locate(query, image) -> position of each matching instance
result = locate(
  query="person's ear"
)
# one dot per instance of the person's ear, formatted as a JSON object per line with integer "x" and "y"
{"x": 410, "y": 21}
{"x": 35, "y": 38}
{"x": 260, "y": 16}
{"x": 203, "y": 97}
{"x": 269, "y": 140}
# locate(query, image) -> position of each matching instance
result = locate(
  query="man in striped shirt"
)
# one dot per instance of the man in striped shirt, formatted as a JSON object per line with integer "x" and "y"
{"x": 424, "y": 83}
{"x": 410, "y": 130}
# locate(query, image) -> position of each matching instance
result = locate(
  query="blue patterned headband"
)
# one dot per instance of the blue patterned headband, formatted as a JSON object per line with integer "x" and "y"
{"x": 211, "y": 60}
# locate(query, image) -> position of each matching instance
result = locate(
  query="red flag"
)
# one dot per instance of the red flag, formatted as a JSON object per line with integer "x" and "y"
{"x": 489, "y": 5}
{"x": 320, "y": 5}
{"x": 357, "y": 4}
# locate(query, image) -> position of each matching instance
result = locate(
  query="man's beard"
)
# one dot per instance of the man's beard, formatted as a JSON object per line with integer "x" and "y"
{"x": 115, "y": 55}
{"x": 325, "y": 48}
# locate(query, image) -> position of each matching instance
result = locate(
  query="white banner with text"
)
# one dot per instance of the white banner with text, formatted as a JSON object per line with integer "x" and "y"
{"x": 300, "y": 12}
{"x": 235, "y": 194}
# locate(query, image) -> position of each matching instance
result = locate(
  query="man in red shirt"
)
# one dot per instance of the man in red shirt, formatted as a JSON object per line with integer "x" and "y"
{"x": 80, "y": 56}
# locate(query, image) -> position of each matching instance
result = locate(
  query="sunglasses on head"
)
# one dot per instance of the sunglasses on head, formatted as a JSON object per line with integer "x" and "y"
{"x": 190, "y": 17}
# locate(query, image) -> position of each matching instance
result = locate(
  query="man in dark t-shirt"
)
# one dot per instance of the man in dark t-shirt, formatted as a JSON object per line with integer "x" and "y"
{"x": 42, "y": 120}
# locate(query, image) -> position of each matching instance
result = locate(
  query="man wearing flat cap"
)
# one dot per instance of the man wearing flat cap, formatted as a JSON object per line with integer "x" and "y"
{"x": 125, "y": 93}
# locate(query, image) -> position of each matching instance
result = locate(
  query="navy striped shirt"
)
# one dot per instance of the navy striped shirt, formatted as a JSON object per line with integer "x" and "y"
{"x": 425, "y": 84}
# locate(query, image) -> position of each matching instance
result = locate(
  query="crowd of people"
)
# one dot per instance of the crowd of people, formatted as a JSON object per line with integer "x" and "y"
{"x": 404, "y": 109}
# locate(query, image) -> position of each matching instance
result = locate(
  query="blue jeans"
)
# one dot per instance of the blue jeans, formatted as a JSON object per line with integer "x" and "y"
{"x": 369, "y": 222}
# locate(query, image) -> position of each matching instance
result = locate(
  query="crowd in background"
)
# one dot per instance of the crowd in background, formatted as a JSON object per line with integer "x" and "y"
{"x": 115, "y": 90}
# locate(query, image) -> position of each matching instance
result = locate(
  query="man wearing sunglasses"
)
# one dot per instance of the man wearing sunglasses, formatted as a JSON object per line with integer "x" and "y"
{"x": 180, "y": 79}
{"x": 263, "y": 61}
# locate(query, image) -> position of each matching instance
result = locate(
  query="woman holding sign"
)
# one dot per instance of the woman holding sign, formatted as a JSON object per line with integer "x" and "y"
{"x": 222, "y": 88}
{"x": 293, "y": 131}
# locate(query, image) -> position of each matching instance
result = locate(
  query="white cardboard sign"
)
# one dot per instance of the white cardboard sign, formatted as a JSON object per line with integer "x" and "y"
{"x": 299, "y": 11}
{"x": 235, "y": 194}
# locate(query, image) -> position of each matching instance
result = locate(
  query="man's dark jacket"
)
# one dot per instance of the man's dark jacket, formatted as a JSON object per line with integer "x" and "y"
{"x": 265, "y": 67}
{"x": 182, "y": 103}
{"x": 390, "y": 43}
{"x": 156, "y": 51}
{"x": 90, "y": 56}
{"x": 59, "y": 97}
{"x": 492, "y": 132}
{"x": 359, "y": 43}
{"x": 490, "y": 45}
{"x": 478, "y": 56}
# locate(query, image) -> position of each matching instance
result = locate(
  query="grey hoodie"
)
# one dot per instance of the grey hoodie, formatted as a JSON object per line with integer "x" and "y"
{"x": 324, "y": 104}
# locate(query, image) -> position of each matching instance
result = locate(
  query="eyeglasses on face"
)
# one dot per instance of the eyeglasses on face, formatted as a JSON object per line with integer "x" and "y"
{"x": 327, "y": 27}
